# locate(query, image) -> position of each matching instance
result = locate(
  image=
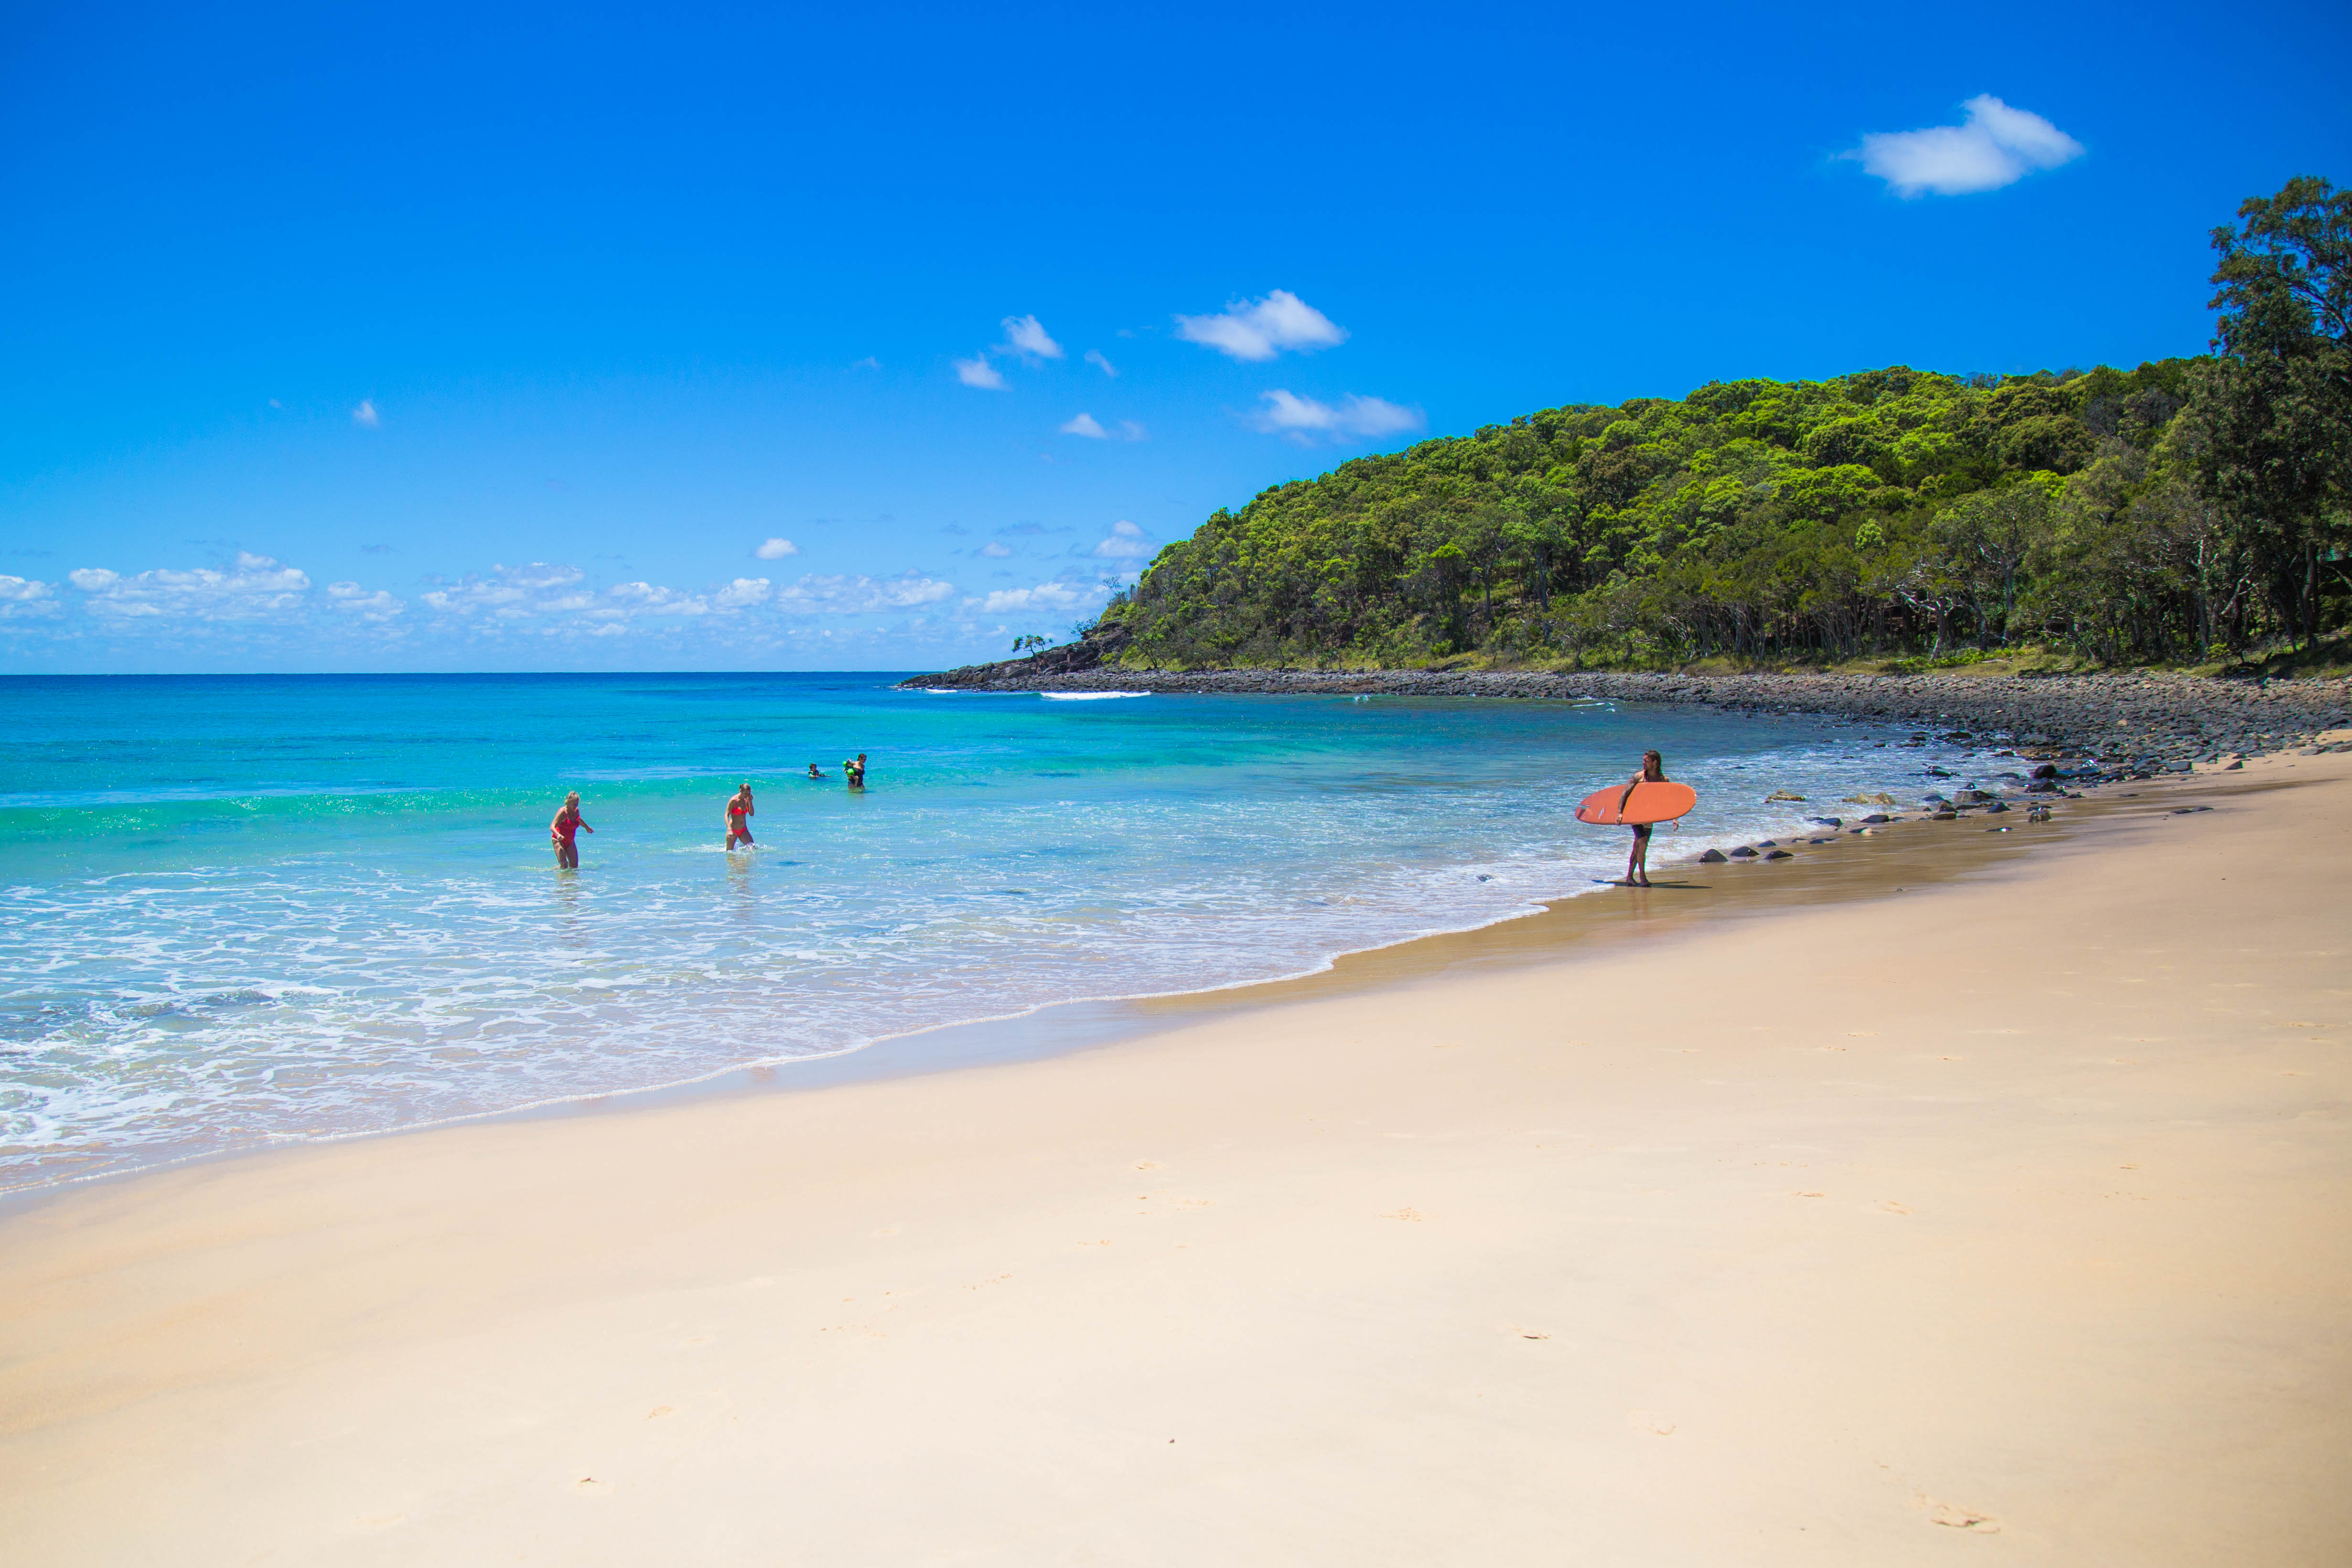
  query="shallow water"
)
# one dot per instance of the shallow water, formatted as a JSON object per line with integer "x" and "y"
{"x": 237, "y": 910}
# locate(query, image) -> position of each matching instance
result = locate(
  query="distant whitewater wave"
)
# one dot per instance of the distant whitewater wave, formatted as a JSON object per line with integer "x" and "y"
{"x": 1088, "y": 696}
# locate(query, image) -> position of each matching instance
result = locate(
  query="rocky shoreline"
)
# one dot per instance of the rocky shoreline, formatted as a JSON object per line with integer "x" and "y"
{"x": 2130, "y": 723}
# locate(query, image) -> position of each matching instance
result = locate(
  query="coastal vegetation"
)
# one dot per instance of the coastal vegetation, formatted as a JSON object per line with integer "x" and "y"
{"x": 2188, "y": 511}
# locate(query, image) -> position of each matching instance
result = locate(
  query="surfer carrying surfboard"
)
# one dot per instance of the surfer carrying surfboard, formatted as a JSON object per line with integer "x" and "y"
{"x": 1637, "y": 864}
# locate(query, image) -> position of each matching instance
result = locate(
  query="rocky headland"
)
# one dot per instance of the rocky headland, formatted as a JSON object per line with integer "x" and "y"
{"x": 2128, "y": 722}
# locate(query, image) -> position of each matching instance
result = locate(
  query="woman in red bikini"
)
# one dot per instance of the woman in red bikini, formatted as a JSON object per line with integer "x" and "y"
{"x": 739, "y": 817}
{"x": 567, "y": 824}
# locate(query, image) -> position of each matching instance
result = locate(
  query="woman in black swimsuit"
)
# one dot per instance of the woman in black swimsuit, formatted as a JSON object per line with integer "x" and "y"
{"x": 1637, "y": 864}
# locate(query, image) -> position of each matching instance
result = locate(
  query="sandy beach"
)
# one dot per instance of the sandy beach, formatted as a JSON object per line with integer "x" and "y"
{"x": 1945, "y": 1197}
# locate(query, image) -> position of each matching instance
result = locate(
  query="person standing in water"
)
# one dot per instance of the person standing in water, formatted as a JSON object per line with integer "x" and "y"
{"x": 565, "y": 829}
{"x": 1637, "y": 864}
{"x": 739, "y": 817}
{"x": 854, "y": 770}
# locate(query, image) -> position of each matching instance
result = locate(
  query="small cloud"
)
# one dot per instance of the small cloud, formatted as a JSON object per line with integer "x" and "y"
{"x": 740, "y": 593}
{"x": 1056, "y": 596}
{"x": 846, "y": 596}
{"x": 275, "y": 403}
{"x": 995, "y": 549}
{"x": 1995, "y": 146}
{"x": 378, "y": 550}
{"x": 24, "y": 598}
{"x": 1259, "y": 329}
{"x": 1303, "y": 419}
{"x": 776, "y": 549}
{"x": 350, "y": 599}
{"x": 1086, "y": 424}
{"x": 1095, "y": 358}
{"x": 365, "y": 413}
{"x": 1125, "y": 543}
{"x": 868, "y": 363}
{"x": 955, "y": 528}
{"x": 978, "y": 372}
{"x": 1032, "y": 529}
{"x": 1027, "y": 335}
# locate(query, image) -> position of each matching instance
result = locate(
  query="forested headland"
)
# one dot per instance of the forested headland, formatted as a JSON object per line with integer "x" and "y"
{"x": 2186, "y": 511}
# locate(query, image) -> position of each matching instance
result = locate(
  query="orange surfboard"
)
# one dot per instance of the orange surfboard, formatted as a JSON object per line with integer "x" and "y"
{"x": 1649, "y": 803}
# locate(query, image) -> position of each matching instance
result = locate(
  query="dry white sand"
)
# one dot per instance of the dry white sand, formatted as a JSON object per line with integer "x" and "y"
{"x": 1998, "y": 1220}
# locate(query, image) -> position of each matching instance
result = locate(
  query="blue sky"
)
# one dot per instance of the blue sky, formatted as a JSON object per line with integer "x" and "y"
{"x": 377, "y": 338}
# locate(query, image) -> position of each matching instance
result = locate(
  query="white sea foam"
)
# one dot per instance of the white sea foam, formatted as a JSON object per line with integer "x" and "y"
{"x": 1088, "y": 696}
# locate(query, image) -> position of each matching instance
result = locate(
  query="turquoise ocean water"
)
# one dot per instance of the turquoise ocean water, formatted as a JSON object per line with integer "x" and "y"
{"x": 237, "y": 911}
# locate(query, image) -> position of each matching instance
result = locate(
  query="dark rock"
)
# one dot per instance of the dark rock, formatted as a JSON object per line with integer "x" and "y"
{"x": 2044, "y": 771}
{"x": 1743, "y": 853}
{"x": 2233, "y": 767}
{"x": 1779, "y": 854}
{"x": 1998, "y": 805}
{"x": 1828, "y": 821}
{"x": 1876, "y": 819}
{"x": 1713, "y": 857}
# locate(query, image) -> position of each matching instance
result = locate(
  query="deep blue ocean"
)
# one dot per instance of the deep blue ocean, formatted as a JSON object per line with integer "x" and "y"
{"x": 237, "y": 911}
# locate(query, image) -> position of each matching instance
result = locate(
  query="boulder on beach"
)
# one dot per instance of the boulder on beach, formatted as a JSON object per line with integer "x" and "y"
{"x": 1713, "y": 857}
{"x": 1778, "y": 855}
{"x": 1743, "y": 853}
{"x": 1781, "y": 794}
{"x": 1879, "y": 799}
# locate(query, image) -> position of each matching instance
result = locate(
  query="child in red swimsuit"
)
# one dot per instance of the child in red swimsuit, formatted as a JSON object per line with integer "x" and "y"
{"x": 567, "y": 824}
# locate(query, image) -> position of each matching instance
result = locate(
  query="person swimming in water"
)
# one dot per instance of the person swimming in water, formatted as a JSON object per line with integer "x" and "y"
{"x": 1637, "y": 864}
{"x": 739, "y": 817}
{"x": 817, "y": 772}
{"x": 563, "y": 830}
{"x": 854, "y": 770}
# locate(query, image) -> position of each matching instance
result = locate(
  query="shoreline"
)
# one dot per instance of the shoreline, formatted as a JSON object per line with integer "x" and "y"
{"x": 1819, "y": 1223}
{"x": 1083, "y": 1024}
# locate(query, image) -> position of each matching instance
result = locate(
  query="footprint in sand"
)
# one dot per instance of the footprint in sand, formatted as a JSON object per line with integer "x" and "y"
{"x": 1410, "y": 1214}
{"x": 1813, "y": 1195}
{"x": 660, "y": 1410}
{"x": 1891, "y": 1206}
{"x": 888, "y": 1230}
{"x": 1149, "y": 1165}
{"x": 1656, "y": 1425}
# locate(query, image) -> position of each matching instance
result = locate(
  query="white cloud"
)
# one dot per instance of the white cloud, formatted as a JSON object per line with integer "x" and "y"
{"x": 1259, "y": 329}
{"x": 349, "y": 598}
{"x": 868, "y": 363}
{"x": 978, "y": 372}
{"x": 365, "y": 413}
{"x": 776, "y": 549}
{"x": 629, "y": 600}
{"x": 1086, "y": 424}
{"x": 1057, "y": 596}
{"x": 740, "y": 593}
{"x": 852, "y": 595}
{"x": 258, "y": 588}
{"x": 1995, "y": 146}
{"x": 21, "y": 597}
{"x": 1303, "y": 419}
{"x": 1095, "y": 357}
{"x": 996, "y": 550}
{"x": 1027, "y": 335}
{"x": 1125, "y": 543}
{"x": 515, "y": 593}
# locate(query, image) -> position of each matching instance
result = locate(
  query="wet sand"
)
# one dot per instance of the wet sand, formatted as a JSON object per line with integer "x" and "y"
{"x": 1945, "y": 1196}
